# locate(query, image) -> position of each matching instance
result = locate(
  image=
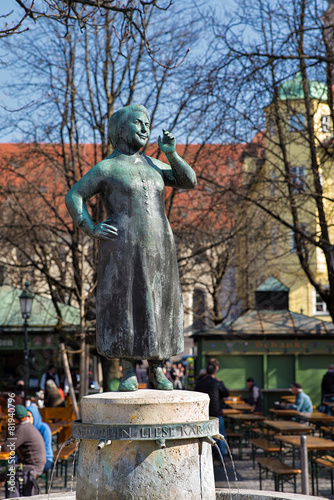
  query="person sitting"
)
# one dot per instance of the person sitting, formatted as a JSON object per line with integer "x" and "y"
{"x": 27, "y": 441}
{"x": 35, "y": 418}
{"x": 255, "y": 398}
{"x": 303, "y": 402}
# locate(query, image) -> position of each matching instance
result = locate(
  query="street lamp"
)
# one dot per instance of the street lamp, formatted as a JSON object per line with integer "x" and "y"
{"x": 26, "y": 299}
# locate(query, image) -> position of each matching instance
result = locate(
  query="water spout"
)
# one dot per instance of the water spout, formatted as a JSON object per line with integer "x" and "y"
{"x": 70, "y": 441}
{"x": 102, "y": 443}
{"x": 161, "y": 443}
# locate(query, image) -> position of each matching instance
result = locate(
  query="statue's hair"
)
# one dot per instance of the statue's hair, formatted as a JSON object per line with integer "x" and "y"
{"x": 119, "y": 117}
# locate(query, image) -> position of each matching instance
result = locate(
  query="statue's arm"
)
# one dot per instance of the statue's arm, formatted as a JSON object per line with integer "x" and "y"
{"x": 181, "y": 174}
{"x": 87, "y": 187}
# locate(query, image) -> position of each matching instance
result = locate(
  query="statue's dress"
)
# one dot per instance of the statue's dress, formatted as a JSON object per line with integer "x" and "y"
{"x": 139, "y": 301}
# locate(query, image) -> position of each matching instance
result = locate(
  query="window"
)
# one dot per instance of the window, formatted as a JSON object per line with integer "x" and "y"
{"x": 320, "y": 305}
{"x": 296, "y": 122}
{"x": 298, "y": 179}
{"x": 325, "y": 121}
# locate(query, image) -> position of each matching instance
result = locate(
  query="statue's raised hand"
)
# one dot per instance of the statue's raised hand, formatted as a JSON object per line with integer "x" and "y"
{"x": 104, "y": 231}
{"x": 168, "y": 142}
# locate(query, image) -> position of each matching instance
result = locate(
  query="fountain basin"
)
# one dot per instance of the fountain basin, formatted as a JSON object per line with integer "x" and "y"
{"x": 221, "y": 494}
{"x": 234, "y": 494}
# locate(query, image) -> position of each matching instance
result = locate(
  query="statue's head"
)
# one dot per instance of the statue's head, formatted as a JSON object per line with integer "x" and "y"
{"x": 121, "y": 121}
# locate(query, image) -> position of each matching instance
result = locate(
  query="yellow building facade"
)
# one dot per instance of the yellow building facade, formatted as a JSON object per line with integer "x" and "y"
{"x": 291, "y": 170}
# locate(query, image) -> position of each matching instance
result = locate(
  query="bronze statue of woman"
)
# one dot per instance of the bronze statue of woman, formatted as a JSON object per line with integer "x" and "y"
{"x": 139, "y": 302}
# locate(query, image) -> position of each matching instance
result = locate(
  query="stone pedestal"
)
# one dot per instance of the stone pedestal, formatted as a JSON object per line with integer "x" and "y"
{"x": 157, "y": 451}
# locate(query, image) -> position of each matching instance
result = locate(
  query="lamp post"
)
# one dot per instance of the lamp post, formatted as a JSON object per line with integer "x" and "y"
{"x": 26, "y": 299}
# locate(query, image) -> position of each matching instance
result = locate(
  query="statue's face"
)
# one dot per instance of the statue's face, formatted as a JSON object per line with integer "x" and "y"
{"x": 136, "y": 129}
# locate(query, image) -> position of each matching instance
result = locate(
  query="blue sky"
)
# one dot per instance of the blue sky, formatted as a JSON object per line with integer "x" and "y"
{"x": 6, "y": 74}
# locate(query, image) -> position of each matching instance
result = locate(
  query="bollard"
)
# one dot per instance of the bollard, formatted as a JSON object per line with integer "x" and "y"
{"x": 304, "y": 465}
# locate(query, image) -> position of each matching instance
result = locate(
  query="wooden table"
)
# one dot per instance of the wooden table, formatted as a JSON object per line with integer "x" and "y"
{"x": 240, "y": 406}
{"x": 245, "y": 417}
{"x": 289, "y": 399}
{"x": 317, "y": 417}
{"x": 285, "y": 413}
{"x": 246, "y": 422}
{"x": 230, "y": 411}
{"x": 287, "y": 427}
{"x": 56, "y": 428}
{"x": 313, "y": 443}
{"x": 66, "y": 431}
{"x": 233, "y": 400}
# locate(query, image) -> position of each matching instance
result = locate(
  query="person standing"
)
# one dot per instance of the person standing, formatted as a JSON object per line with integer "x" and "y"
{"x": 327, "y": 385}
{"x": 216, "y": 391}
{"x": 255, "y": 398}
{"x": 50, "y": 374}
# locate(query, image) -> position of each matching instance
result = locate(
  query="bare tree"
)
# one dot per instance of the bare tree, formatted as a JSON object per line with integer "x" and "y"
{"x": 271, "y": 58}
{"x": 130, "y": 16}
{"x": 78, "y": 80}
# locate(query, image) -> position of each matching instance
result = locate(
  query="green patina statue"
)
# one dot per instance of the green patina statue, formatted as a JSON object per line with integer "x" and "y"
{"x": 139, "y": 302}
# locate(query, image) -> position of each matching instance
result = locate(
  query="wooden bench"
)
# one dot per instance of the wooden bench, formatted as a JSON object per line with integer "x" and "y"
{"x": 267, "y": 446}
{"x": 234, "y": 437}
{"x": 327, "y": 431}
{"x": 281, "y": 472}
{"x": 261, "y": 432}
{"x": 326, "y": 462}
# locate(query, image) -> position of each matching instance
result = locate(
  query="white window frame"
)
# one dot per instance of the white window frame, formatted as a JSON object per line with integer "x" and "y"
{"x": 325, "y": 121}
{"x": 318, "y": 302}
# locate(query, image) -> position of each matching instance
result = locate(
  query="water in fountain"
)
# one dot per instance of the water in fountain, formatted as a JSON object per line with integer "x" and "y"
{"x": 54, "y": 466}
{"x": 232, "y": 461}
{"x": 222, "y": 461}
{"x": 73, "y": 466}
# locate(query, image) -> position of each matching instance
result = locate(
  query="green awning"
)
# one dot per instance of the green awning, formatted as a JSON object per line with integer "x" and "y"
{"x": 43, "y": 315}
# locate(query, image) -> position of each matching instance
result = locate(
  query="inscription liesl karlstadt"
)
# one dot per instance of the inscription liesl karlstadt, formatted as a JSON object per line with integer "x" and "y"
{"x": 145, "y": 432}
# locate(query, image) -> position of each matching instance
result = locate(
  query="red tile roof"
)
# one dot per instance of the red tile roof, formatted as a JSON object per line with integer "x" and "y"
{"x": 38, "y": 170}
